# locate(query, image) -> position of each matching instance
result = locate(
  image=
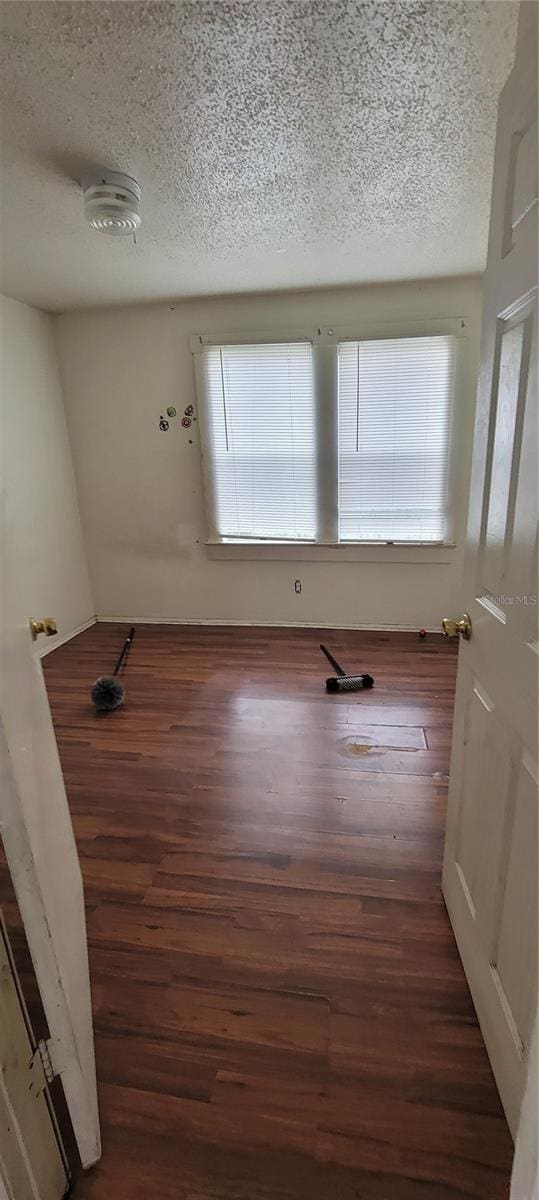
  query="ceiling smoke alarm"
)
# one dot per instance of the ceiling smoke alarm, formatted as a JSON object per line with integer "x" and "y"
{"x": 111, "y": 203}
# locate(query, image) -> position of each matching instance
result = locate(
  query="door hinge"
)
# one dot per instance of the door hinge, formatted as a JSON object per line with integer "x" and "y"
{"x": 43, "y": 1050}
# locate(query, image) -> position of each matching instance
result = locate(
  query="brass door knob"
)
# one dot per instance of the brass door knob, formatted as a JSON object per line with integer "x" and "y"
{"x": 47, "y": 626}
{"x": 452, "y": 626}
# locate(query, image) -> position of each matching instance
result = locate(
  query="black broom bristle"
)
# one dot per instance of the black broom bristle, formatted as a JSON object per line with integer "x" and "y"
{"x": 107, "y": 693}
{"x": 349, "y": 683}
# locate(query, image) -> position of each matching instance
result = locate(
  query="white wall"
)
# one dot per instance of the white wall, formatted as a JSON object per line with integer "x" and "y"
{"x": 140, "y": 489}
{"x": 42, "y": 561}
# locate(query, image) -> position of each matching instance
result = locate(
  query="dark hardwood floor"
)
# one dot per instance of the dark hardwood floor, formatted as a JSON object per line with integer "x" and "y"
{"x": 280, "y": 1009}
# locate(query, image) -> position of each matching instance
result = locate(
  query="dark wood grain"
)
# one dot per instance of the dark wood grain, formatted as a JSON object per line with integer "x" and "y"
{"x": 280, "y": 1009}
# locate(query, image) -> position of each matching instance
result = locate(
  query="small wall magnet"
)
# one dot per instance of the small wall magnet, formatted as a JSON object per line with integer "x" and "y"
{"x": 163, "y": 424}
{"x": 171, "y": 412}
{"x": 188, "y": 412}
{"x": 186, "y": 422}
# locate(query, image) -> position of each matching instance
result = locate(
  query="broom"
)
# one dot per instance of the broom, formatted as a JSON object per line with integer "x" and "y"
{"x": 107, "y": 691}
{"x": 344, "y": 682}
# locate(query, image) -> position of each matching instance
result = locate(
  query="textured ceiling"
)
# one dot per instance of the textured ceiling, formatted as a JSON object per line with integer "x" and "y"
{"x": 279, "y": 143}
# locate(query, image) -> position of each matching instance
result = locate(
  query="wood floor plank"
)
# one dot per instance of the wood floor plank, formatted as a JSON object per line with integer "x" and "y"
{"x": 280, "y": 1009}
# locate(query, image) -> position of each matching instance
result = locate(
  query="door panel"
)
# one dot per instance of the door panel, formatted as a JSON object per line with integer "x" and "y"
{"x": 507, "y": 543}
{"x": 479, "y": 847}
{"x": 516, "y": 950}
{"x": 490, "y": 863}
{"x": 507, "y": 420}
{"x": 521, "y": 182}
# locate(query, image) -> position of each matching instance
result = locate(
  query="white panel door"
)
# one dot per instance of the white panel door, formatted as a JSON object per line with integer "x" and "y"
{"x": 490, "y": 866}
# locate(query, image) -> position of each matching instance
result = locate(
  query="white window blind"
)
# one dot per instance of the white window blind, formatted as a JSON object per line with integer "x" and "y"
{"x": 260, "y": 438}
{"x": 395, "y": 404}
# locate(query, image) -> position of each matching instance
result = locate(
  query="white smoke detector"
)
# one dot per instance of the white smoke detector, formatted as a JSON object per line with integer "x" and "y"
{"x": 111, "y": 203}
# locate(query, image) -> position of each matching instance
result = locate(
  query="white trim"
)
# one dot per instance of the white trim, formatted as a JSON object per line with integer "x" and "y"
{"x": 325, "y": 360}
{"x": 66, "y": 637}
{"x": 324, "y": 334}
{"x": 219, "y": 621}
{"x": 338, "y": 552}
{"x": 325, "y": 340}
{"x": 204, "y": 341}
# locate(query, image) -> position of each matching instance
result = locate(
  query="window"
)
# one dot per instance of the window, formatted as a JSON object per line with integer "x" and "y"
{"x": 310, "y": 442}
{"x": 394, "y": 429}
{"x": 262, "y": 440}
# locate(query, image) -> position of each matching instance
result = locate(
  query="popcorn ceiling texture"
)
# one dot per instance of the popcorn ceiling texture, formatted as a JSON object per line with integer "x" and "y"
{"x": 279, "y": 143}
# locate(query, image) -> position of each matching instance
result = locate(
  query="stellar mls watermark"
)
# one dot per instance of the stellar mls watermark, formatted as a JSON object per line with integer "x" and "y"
{"x": 520, "y": 598}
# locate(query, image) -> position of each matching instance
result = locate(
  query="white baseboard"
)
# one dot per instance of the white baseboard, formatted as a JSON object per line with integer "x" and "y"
{"x": 66, "y": 637}
{"x": 219, "y": 621}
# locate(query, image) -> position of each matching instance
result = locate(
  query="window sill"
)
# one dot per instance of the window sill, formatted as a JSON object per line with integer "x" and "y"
{"x": 406, "y": 552}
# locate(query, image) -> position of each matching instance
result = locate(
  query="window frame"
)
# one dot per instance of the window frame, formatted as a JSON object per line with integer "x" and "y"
{"x": 325, "y": 339}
